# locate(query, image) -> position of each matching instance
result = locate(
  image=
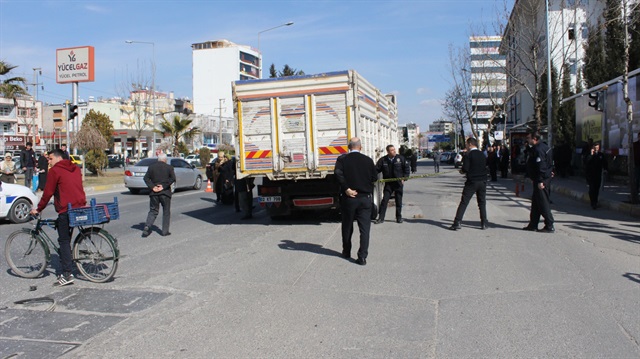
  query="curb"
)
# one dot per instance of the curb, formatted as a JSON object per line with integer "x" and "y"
{"x": 625, "y": 208}
{"x": 104, "y": 188}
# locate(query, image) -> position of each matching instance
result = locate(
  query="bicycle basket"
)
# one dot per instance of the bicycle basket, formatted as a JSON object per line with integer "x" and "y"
{"x": 95, "y": 213}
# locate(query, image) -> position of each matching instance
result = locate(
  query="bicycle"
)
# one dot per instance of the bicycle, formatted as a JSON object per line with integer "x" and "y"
{"x": 95, "y": 252}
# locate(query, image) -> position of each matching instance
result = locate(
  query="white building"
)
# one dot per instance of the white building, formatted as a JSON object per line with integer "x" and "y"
{"x": 20, "y": 122}
{"x": 216, "y": 64}
{"x": 441, "y": 127}
{"x": 488, "y": 79}
{"x": 409, "y": 135}
{"x": 568, "y": 26}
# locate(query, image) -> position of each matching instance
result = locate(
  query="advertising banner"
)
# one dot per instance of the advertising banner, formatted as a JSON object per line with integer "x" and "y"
{"x": 75, "y": 64}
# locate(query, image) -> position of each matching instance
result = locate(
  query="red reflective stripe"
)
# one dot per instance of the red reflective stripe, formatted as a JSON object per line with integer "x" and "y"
{"x": 312, "y": 202}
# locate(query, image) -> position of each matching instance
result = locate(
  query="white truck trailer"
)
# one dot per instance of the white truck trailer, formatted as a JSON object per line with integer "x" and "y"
{"x": 291, "y": 130}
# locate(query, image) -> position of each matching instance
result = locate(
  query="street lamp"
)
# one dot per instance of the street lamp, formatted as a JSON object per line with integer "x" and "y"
{"x": 275, "y": 27}
{"x": 153, "y": 89}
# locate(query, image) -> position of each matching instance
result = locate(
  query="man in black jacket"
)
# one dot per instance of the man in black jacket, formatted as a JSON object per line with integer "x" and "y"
{"x": 539, "y": 170}
{"x": 474, "y": 165}
{"x": 28, "y": 163}
{"x": 392, "y": 166}
{"x": 159, "y": 178}
{"x": 356, "y": 173}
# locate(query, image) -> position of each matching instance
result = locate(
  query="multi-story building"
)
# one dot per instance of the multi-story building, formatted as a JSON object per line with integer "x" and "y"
{"x": 525, "y": 47}
{"x": 441, "y": 127}
{"x": 488, "y": 79}
{"x": 409, "y": 135}
{"x": 216, "y": 64}
{"x": 20, "y": 122}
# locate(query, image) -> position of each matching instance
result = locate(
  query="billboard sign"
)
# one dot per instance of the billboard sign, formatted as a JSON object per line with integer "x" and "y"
{"x": 75, "y": 64}
{"x": 439, "y": 138}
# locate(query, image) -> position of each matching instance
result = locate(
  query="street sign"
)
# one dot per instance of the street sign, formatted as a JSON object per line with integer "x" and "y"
{"x": 438, "y": 138}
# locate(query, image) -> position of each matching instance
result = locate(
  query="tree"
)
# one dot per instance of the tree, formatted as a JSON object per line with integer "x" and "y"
{"x": 205, "y": 156}
{"x": 614, "y": 46}
{"x": 594, "y": 70}
{"x": 555, "y": 98}
{"x": 458, "y": 104}
{"x": 286, "y": 71}
{"x": 92, "y": 142}
{"x": 100, "y": 122}
{"x": 634, "y": 46}
{"x": 11, "y": 87}
{"x": 565, "y": 127}
{"x": 137, "y": 105}
{"x": 273, "y": 73}
{"x": 177, "y": 129}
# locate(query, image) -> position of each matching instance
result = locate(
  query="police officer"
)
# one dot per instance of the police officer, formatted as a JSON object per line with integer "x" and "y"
{"x": 474, "y": 166}
{"x": 356, "y": 173}
{"x": 539, "y": 170}
{"x": 392, "y": 166}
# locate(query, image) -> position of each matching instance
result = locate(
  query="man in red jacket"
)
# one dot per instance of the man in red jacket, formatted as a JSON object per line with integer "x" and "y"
{"x": 64, "y": 183}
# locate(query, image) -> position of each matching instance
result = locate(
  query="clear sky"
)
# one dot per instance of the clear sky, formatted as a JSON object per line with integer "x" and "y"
{"x": 399, "y": 46}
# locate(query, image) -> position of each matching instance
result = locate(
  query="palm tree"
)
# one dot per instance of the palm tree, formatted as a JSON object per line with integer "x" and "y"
{"x": 178, "y": 129}
{"x": 10, "y": 86}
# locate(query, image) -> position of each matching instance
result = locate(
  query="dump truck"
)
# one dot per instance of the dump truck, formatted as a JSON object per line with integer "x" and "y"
{"x": 291, "y": 130}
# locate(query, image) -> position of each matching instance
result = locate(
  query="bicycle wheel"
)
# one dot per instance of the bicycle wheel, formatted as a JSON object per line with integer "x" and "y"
{"x": 25, "y": 254}
{"x": 96, "y": 254}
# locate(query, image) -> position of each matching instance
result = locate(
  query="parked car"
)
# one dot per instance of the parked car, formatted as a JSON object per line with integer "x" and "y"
{"x": 193, "y": 159}
{"x": 187, "y": 176}
{"x": 16, "y": 202}
{"x": 444, "y": 157}
{"x": 115, "y": 161}
{"x": 457, "y": 162}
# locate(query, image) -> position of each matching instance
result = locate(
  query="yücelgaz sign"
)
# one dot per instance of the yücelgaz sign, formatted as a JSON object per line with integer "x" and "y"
{"x": 75, "y": 64}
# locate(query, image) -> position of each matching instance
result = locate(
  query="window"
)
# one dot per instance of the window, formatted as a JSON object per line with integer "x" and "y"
{"x": 23, "y": 112}
{"x": 5, "y": 110}
{"x": 178, "y": 163}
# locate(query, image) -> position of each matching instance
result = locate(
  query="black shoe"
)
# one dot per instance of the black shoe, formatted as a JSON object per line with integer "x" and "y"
{"x": 166, "y": 234}
{"x": 530, "y": 229}
{"x": 399, "y": 220}
{"x": 346, "y": 254}
{"x": 546, "y": 229}
{"x": 146, "y": 232}
{"x": 378, "y": 221}
{"x": 455, "y": 226}
{"x": 247, "y": 217}
{"x": 361, "y": 261}
{"x": 484, "y": 225}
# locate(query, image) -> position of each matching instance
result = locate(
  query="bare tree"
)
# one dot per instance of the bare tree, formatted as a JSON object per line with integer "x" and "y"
{"x": 458, "y": 100}
{"x": 136, "y": 98}
{"x": 625, "y": 94}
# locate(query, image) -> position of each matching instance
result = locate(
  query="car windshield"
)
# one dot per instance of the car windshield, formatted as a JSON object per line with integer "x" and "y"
{"x": 147, "y": 162}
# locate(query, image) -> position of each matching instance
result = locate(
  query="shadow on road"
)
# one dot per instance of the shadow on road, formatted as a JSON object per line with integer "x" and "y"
{"x": 308, "y": 247}
{"x": 635, "y": 277}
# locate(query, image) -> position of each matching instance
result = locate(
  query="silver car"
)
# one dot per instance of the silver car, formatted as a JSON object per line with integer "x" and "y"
{"x": 187, "y": 176}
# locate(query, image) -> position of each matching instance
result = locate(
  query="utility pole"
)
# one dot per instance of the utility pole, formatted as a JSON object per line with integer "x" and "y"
{"x": 34, "y": 108}
{"x": 221, "y": 101}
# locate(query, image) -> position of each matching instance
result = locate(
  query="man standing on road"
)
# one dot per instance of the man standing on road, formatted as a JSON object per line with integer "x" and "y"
{"x": 356, "y": 174}
{"x": 28, "y": 163}
{"x": 539, "y": 170}
{"x": 159, "y": 178}
{"x": 474, "y": 165}
{"x": 64, "y": 183}
{"x": 596, "y": 165}
{"x": 436, "y": 161}
{"x": 392, "y": 166}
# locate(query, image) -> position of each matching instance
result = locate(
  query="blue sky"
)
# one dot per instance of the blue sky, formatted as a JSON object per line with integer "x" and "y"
{"x": 399, "y": 46}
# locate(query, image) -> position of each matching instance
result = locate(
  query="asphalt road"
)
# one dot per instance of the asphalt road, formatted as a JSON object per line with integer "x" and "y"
{"x": 222, "y": 287}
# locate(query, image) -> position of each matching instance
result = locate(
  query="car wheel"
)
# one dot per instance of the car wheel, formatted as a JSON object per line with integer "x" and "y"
{"x": 198, "y": 183}
{"x": 134, "y": 190}
{"x": 19, "y": 212}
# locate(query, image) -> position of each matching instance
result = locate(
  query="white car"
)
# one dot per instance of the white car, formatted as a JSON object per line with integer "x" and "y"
{"x": 16, "y": 202}
{"x": 193, "y": 160}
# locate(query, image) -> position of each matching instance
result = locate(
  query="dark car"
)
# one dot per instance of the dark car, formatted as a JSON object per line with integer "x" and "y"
{"x": 116, "y": 161}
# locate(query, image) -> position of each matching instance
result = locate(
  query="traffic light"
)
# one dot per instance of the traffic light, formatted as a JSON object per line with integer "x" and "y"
{"x": 73, "y": 112}
{"x": 595, "y": 100}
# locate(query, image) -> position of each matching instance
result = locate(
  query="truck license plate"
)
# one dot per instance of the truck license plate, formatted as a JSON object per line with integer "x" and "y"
{"x": 271, "y": 199}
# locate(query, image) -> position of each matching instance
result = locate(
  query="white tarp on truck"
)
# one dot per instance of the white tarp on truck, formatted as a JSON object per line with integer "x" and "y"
{"x": 296, "y": 127}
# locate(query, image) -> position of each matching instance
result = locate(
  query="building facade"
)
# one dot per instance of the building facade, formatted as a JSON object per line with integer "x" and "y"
{"x": 409, "y": 135}
{"x": 488, "y": 80}
{"x": 216, "y": 64}
{"x": 441, "y": 127}
{"x": 526, "y": 30}
{"x": 20, "y": 122}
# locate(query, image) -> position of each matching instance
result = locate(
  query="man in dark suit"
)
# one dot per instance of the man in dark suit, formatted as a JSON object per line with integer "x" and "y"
{"x": 539, "y": 170}
{"x": 392, "y": 166}
{"x": 474, "y": 166}
{"x": 159, "y": 178}
{"x": 356, "y": 173}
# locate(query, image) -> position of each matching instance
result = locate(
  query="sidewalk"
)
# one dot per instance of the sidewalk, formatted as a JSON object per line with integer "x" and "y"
{"x": 614, "y": 196}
